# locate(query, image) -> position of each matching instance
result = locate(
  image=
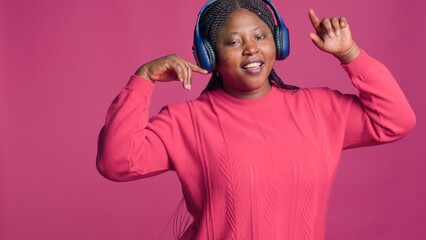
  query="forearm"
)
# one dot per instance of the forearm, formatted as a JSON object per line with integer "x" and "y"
{"x": 390, "y": 116}
{"x": 125, "y": 145}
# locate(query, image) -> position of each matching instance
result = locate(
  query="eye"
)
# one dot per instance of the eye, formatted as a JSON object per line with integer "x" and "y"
{"x": 259, "y": 37}
{"x": 233, "y": 42}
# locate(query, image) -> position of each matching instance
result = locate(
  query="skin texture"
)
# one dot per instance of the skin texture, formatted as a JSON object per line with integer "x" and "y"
{"x": 332, "y": 35}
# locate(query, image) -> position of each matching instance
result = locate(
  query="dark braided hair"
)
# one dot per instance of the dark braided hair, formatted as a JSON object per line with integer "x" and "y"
{"x": 212, "y": 19}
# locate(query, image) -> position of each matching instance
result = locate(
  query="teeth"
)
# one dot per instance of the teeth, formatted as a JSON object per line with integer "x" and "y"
{"x": 252, "y": 65}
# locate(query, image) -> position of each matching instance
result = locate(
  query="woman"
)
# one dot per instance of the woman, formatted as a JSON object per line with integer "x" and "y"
{"x": 256, "y": 158}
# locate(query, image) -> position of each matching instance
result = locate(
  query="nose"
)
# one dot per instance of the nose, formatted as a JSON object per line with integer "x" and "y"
{"x": 250, "y": 48}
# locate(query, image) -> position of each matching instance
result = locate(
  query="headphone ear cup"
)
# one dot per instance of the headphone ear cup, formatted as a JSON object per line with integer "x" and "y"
{"x": 278, "y": 42}
{"x": 204, "y": 54}
{"x": 210, "y": 56}
{"x": 282, "y": 42}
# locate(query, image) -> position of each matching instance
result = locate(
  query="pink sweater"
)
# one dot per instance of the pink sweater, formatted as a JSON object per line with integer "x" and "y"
{"x": 253, "y": 169}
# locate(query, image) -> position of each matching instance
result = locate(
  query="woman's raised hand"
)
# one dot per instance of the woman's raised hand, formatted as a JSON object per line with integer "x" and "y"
{"x": 332, "y": 35}
{"x": 170, "y": 68}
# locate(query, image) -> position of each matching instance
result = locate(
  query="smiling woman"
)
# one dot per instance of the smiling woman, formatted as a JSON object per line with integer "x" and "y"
{"x": 256, "y": 158}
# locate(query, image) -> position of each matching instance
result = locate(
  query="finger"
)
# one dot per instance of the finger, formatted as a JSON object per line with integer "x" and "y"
{"x": 335, "y": 24}
{"x": 197, "y": 69}
{"x": 183, "y": 70}
{"x": 179, "y": 69}
{"x": 188, "y": 82}
{"x": 326, "y": 24}
{"x": 187, "y": 73}
{"x": 314, "y": 19}
{"x": 192, "y": 68}
{"x": 317, "y": 40}
{"x": 179, "y": 73}
{"x": 187, "y": 76}
{"x": 343, "y": 22}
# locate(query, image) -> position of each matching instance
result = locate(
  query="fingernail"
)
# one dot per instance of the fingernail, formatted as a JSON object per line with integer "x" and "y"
{"x": 188, "y": 86}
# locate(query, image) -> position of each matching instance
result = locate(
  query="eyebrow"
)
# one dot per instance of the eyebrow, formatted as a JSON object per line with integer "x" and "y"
{"x": 237, "y": 33}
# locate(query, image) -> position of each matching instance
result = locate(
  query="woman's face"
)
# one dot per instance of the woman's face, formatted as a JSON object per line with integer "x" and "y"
{"x": 246, "y": 53}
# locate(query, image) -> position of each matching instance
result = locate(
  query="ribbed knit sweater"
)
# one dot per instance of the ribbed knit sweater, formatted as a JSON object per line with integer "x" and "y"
{"x": 253, "y": 169}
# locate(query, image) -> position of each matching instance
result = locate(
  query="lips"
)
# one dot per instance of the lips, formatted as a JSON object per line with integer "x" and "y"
{"x": 253, "y": 67}
{"x": 252, "y": 64}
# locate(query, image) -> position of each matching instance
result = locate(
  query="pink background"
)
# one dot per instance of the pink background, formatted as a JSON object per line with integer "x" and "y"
{"x": 63, "y": 62}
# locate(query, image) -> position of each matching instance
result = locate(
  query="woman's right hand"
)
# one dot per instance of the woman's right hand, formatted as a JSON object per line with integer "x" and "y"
{"x": 169, "y": 68}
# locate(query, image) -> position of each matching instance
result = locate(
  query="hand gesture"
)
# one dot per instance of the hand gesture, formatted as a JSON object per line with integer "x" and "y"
{"x": 169, "y": 68}
{"x": 334, "y": 36}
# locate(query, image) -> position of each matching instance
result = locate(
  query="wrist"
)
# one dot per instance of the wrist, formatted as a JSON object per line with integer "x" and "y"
{"x": 141, "y": 72}
{"x": 349, "y": 55}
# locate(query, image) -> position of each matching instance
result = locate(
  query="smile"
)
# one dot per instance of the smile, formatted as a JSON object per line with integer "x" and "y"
{"x": 252, "y": 65}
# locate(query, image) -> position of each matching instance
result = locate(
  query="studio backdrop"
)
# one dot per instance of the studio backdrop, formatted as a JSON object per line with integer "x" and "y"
{"x": 63, "y": 62}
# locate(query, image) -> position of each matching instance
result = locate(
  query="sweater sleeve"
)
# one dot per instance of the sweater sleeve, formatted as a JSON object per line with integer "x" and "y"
{"x": 127, "y": 148}
{"x": 381, "y": 112}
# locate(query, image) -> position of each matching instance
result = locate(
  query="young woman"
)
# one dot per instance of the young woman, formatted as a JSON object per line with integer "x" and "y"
{"x": 256, "y": 157}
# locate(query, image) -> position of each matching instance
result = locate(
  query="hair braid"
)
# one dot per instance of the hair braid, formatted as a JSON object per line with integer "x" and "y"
{"x": 215, "y": 15}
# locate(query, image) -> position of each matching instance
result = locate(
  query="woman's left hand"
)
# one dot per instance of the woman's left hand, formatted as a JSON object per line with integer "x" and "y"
{"x": 334, "y": 36}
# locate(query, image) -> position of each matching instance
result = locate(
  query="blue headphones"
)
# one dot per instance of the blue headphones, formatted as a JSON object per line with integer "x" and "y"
{"x": 204, "y": 53}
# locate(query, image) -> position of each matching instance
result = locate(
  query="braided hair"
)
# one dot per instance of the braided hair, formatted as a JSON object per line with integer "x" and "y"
{"x": 215, "y": 15}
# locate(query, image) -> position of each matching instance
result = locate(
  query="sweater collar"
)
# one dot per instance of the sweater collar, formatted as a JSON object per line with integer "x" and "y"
{"x": 221, "y": 95}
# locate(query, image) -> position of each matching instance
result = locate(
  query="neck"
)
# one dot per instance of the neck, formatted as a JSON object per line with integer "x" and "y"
{"x": 248, "y": 94}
